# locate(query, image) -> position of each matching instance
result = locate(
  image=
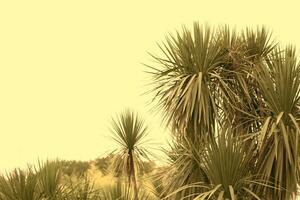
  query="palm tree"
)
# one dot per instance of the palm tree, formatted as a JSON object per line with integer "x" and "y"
{"x": 209, "y": 81}
{"x": 129, "y": 132}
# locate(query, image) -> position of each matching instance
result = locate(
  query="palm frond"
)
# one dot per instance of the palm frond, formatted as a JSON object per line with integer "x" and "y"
{"x": 183, "y": 78}
{"x": 279, "y": 80}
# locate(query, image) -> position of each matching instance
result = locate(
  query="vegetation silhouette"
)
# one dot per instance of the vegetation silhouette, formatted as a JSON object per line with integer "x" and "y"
{"x": 231, "y": 100}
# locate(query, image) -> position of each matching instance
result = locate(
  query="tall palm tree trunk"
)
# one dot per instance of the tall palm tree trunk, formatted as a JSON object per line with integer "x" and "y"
{"x": 133, "y": 177}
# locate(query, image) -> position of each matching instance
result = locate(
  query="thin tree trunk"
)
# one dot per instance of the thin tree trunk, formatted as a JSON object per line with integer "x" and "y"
{"x": 133, "y": 177}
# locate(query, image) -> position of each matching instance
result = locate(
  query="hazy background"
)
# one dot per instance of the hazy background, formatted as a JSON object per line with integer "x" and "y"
{"x": 66, "y": 67}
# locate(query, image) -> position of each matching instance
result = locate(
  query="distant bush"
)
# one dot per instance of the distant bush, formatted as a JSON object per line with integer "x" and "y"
{"x": 147, "y": 167}
{"x": 76, "y": 168}
{"x": 103, "y": 163}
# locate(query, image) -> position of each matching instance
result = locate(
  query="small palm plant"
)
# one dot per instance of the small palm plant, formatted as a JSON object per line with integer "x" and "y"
{"x": 227, "y": 163}
{"x": 19, "y": 185}
{"x": 129, "y": 131}
{"x": 43, "y": 182}
{"x": 226, "y": 171}
{"x": 49, "y": 177}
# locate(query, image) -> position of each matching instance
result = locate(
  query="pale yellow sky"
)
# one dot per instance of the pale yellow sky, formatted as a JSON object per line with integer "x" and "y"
{"x": 67, "y": 66}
